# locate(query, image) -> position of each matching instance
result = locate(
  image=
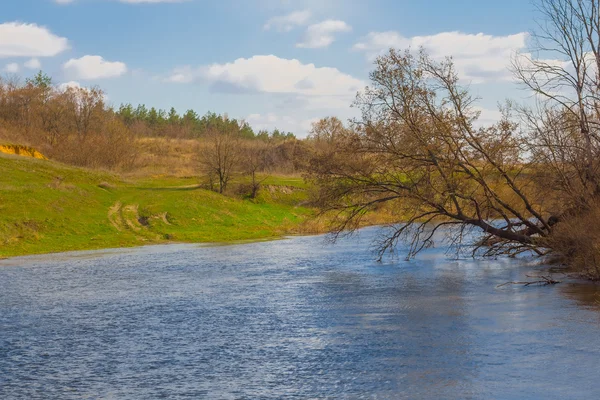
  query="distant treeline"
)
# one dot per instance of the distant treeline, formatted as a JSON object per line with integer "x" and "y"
{"x": 189, "y": 125}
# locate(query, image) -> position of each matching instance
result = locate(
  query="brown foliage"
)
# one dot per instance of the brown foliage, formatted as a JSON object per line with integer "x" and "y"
{"x": 113, "y": 148}
{"x": 576, "y": 242}
{"x": 525, "y": 184}
{"x": 416, "y": 146}
{"x": 71, "y": 125}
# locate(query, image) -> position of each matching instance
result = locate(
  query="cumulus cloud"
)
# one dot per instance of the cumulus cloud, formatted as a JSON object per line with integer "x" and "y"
{"x": 29, "y": 40}
{"x": 271, "y": 74}
{"x": 478, "y": 57}
{"x": 34, "y": 63}
{"x": 285, "y": 23}
{"x": 12, "y": 68}
{"x": 81, "y": 89}
{"x": 323, "y": 34}
{"x": 271, "y": 121}
{"x": 93, "y": 67}
{"x": 69, "y": 85}
{"x": 296, "y": 93}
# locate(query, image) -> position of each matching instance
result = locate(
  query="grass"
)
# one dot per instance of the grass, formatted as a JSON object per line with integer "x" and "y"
{"x": 49, "y": 207}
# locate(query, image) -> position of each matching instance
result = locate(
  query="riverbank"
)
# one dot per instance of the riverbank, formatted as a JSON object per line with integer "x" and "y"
{"x": 48, "y": 207}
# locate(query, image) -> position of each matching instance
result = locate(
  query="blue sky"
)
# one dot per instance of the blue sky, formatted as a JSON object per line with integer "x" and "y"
{"x": 276, "y": 63}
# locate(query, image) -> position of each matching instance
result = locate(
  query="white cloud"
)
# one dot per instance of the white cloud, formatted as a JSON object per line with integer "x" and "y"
{"x": 64, "y": 1}
{"x": 93, "y": 67}
{"x": 285, "y": 23}
{"x": 79, "y": 89}
{"x": 322, "y": 34}
{"x": 152, "y": 1}
{"x": 285, "y": 123}
{"x": 12, "y": 68}
{"x": 29, "y": 40}
{"x": 271, "y": 74}
{"x": 67, "y": 85}
{"x": 477, "y": 57}
{"x": 34, "y": 63}
{"x": 487, "y": 116}
{"x": 295, "y": 94}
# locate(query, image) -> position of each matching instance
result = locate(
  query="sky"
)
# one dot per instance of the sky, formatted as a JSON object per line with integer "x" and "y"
{"x": 274, "y": 63}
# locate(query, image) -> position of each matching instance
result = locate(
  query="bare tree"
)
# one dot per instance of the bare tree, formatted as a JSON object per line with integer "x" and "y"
{"x": 564, "y": 127}
{"x": 255, "y": 160}
{"x": 220, "y": 156}
{"x": 417, "y": 149}
{"x": 563, "y": 72}
{"x": 86, "y": 106}
{"x": 326, "y": 130}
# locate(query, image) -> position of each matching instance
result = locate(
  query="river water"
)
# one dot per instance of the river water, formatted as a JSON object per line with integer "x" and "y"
{"x": 295, "y": 318}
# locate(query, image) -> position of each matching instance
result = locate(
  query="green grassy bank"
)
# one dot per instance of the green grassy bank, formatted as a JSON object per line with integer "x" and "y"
{"x": 49, "y": 207}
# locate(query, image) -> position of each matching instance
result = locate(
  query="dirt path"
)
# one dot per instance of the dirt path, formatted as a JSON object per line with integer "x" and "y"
{"x": 114, "y": 216}
{"x": 126, "y": 219}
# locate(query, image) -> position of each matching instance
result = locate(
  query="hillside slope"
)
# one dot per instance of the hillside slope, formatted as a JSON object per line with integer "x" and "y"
{"x": 49, "y": 207}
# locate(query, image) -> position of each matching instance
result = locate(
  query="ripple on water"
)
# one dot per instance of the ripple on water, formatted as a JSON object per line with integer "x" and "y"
{"x": 289, "y": 319}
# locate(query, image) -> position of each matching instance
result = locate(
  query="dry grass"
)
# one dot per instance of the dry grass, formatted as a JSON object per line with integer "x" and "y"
{"x": 164, "y": 156}
{"x": 576, "y": 242}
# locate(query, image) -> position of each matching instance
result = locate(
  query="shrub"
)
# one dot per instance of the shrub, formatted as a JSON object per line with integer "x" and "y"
{"x": 576, "y": 242}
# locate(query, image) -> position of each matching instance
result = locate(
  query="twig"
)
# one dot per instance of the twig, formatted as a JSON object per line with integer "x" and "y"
{"x": 545, "y": 281}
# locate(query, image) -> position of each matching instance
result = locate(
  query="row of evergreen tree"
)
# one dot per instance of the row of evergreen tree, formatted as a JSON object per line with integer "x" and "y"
{"x": 159, "y": 120}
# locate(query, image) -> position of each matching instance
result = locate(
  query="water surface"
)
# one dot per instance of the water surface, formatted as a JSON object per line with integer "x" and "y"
{"x": 295, "y": 318}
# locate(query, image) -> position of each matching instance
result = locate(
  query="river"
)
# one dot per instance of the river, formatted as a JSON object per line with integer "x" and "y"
{"x": 293, "y": 318}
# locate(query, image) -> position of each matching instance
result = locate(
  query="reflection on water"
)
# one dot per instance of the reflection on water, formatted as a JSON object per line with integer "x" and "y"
{"x": 586, "y": 294}
{"x": 290, "y": 319}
